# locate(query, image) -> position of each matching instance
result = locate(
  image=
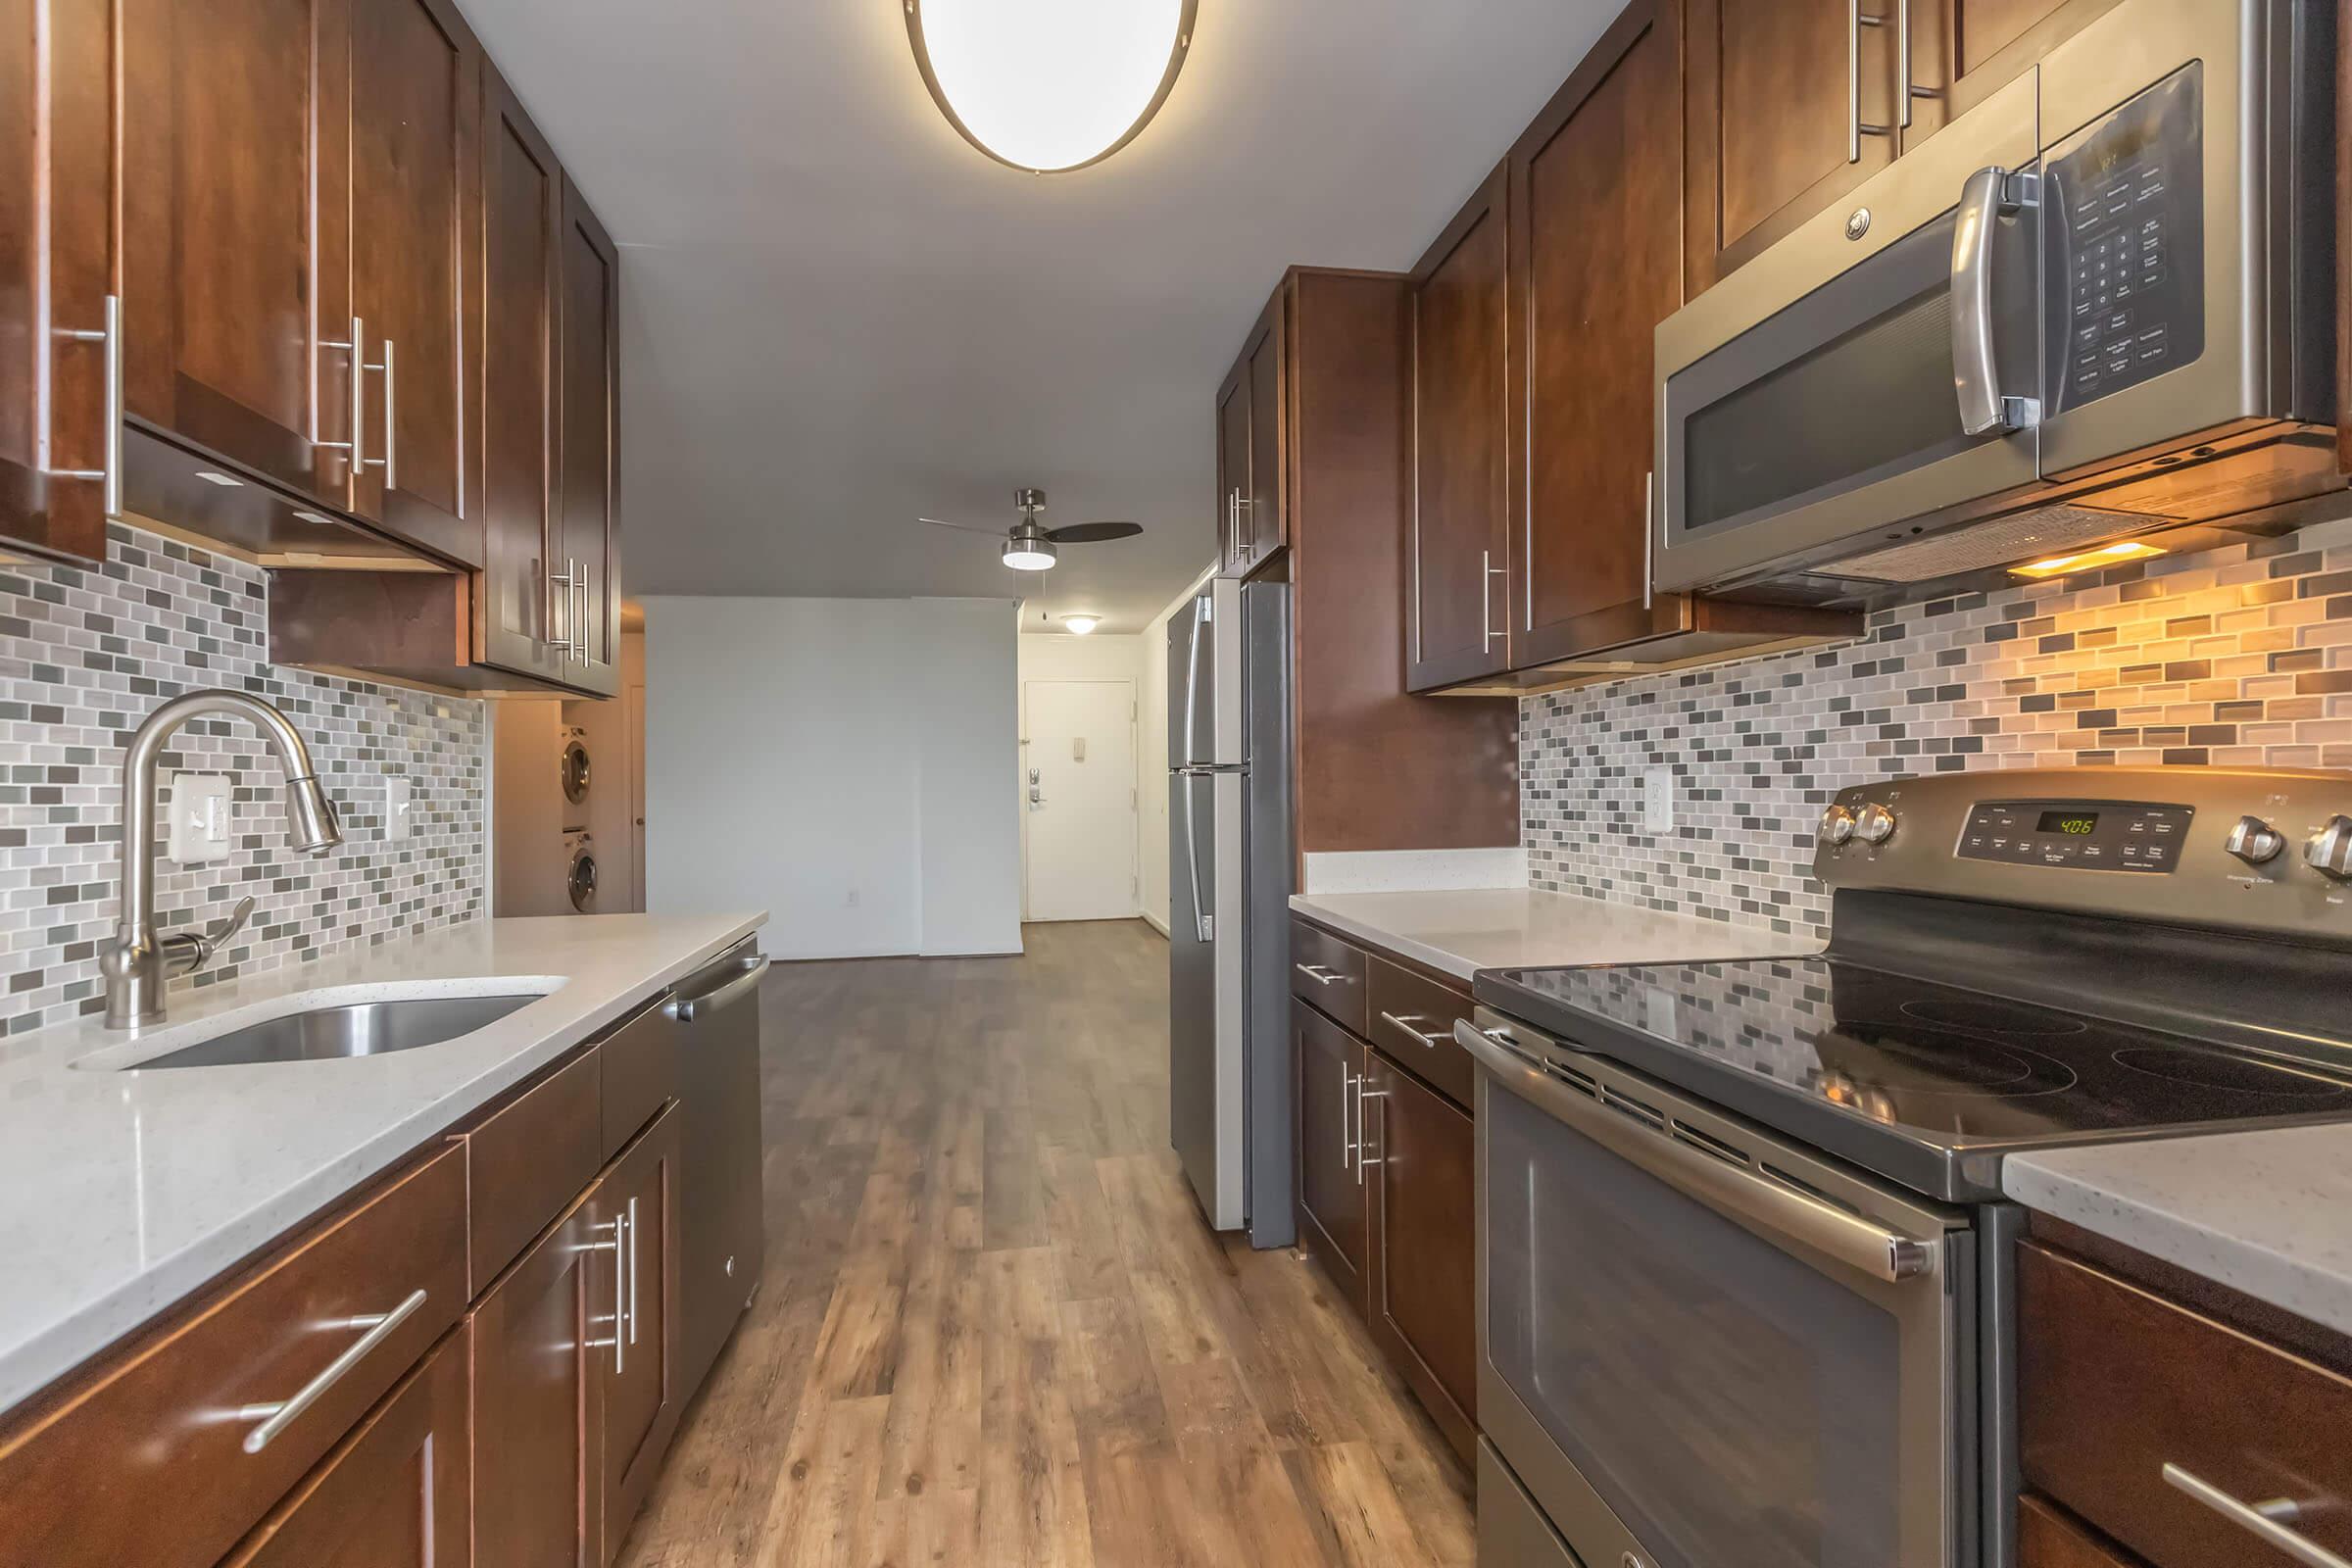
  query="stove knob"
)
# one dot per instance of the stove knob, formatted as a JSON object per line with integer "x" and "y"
{"x": 1836, "y": 826}
{"x": 1876, "y": 824}
{"x": 2330, "y": 850}
{"x": 2255, "y": 841}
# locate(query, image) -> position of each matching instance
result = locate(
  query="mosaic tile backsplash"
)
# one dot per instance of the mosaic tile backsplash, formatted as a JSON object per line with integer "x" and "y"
{"x": 2239, "y": 656}
{"x": 85, "y": 655}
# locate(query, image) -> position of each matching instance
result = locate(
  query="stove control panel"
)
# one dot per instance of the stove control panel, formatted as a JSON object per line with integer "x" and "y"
{"x": 2081, "y": 835}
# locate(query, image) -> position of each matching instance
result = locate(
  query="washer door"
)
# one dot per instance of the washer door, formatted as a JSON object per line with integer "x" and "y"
{"x": 581, "y": 883}
{"x": 576, "y": 770}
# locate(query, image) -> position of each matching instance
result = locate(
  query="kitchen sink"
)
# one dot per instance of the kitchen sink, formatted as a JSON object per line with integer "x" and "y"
{"x": 355, "y": 1029}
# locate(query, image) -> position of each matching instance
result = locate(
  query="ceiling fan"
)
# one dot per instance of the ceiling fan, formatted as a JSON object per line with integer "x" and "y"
{"x": 1030, "y": 546}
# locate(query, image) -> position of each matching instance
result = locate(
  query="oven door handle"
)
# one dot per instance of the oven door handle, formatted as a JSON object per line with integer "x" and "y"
{"x": 1862, "y": 1245}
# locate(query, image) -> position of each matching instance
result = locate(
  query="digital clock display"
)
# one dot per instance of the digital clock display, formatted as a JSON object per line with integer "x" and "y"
{"x": 2071, "y": 824}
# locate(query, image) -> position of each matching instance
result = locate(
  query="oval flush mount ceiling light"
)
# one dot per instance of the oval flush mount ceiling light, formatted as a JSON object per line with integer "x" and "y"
{"x": 1050, "y": 85}
{"x": 1080, "y": 625}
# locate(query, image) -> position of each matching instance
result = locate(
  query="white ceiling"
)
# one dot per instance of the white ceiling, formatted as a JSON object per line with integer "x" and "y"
{"x": 837, "y": 313}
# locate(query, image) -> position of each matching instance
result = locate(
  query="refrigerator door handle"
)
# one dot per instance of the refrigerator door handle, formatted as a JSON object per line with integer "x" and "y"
{"x": 1204, "y": 923}
{"x": 1192, "y": 677}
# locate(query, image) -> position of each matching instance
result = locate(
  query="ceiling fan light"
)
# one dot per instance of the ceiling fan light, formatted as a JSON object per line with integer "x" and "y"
{"x": 1080, "y": 625}
{"x": 1030, "y": 555}
{"x": 1048, "y": 86}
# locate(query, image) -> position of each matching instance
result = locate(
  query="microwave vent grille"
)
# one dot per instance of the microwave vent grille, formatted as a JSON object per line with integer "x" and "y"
{"x": 1994, "y": 542}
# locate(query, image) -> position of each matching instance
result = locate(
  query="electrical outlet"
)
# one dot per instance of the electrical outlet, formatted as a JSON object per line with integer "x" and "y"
{"x": 398, "y": 797}
{"x": 197, "y": 810}
{"x": 1658, "y": 799}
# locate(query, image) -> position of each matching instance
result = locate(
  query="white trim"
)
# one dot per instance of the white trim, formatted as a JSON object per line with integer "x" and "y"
{"x": 1413, "y": 870}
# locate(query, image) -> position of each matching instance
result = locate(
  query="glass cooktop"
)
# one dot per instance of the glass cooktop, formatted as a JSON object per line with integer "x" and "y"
{"x": 1937, "y": 1065}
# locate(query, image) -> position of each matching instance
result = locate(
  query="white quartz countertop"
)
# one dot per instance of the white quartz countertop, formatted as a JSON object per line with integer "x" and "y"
{"x": 2266, "y": 1213}
{"x": 1459, "y": 933}
{"x": 123, "y": 1191}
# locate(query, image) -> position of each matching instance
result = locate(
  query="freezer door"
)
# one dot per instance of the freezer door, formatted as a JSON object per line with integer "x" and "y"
{"x": 1193, "y": 982}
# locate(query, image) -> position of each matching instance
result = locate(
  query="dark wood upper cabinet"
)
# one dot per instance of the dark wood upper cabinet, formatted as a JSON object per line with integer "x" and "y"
{"x": 1770, "y": 133}
{"x": 1252, "y": 522}
{"x": 1420, "y": 1155}
{"x": 416, "y": 116}
{"x": 1595, "y": 266}
{"x": 397, "y": 1493}
{"x": 56, "y": 250}
{"x": 522, "y": 215}
{"x": 542, "y": 1344}
{"x": 588, "y": 485}
{"x": 636, "y": 1200}
{"x": 236, "y": 253}
{"x": 1459, "y": 530}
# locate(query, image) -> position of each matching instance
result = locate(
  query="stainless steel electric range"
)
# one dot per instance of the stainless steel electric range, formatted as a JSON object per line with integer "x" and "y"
{"x": 1744, "y": 1287}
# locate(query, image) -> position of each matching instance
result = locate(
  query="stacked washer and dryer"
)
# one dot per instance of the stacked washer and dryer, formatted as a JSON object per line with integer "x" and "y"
{"x": 579, "y": 852}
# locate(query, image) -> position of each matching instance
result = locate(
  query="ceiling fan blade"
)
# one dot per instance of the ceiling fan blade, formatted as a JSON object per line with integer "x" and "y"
{"x": 967, "y": 527}
{"x": 1086, "y": 533}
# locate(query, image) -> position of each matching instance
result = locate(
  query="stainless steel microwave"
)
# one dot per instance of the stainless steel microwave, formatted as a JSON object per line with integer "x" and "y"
{"x": 2098, "y": 304}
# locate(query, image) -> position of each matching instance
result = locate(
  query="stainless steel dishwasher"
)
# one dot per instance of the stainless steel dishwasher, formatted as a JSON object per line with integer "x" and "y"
{"x": 720, "y": 1221}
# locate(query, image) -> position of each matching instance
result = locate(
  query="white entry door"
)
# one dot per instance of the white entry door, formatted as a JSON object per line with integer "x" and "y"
{"x": 1078, "y": 798}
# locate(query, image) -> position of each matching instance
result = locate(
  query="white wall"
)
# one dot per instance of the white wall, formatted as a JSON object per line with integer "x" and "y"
{"x": 1058, "y": 656}
{"x": 815, "y": 758}
{"x": 1152, "y": 759}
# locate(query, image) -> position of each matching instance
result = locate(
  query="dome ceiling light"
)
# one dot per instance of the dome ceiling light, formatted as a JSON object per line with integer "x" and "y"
{"x": 1050, "y": 85}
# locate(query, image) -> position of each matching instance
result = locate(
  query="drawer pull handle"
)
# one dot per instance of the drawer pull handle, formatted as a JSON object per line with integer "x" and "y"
{"x": 1406, "y": 1023}
{"x": 1320, "y": 975}
{"x": 276, "y": 1418}
{"x": 2260, "y": 1519}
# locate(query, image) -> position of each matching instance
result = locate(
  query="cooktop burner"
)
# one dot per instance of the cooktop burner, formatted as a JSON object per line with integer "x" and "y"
{"x": 1942, "y": 1064}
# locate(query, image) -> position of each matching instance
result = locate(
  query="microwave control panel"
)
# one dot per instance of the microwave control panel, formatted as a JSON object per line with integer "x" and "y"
{"x": 2089, "y": 836}
{"x": 2125, "y": 227}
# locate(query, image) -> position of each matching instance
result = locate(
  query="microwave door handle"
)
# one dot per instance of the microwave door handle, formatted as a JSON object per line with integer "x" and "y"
{"x": 1732, "y": 1191}
{"x": 1975, "y": 371}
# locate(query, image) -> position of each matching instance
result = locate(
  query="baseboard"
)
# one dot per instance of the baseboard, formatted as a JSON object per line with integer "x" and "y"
{"x": 1154, "y": 922}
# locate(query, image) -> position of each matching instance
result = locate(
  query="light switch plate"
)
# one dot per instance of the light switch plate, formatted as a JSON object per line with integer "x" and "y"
{"x": 397, "y": 800}
{"x": 1658, "y": 799}
{"x": 200, "y": 819}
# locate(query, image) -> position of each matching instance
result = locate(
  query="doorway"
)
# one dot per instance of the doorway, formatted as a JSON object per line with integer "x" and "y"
{"x": 1078, "y": 800}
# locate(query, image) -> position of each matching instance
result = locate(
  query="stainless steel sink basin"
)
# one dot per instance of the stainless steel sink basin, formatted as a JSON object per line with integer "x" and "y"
{"x": 356, "y": 1029}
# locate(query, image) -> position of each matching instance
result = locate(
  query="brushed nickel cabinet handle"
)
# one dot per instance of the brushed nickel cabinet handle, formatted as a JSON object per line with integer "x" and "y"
{"x": 276, "y": 1417}
{"x": 356, "y": 396}
{"x": 390, "y": 461}
{"x": 630, "y": 1231}
{"x": 1348, "y": 1149}
{"x": 568, "y": 644}
{"x": 1364, "y": 1152}
{"x": 1406, "y": 1022}
{"x": 1320, "y": 975}
{"x": 110, "y": 473}
{"x": 1488, "y": 572}
{"x": 2266, "y": 1521}
{"x": 1855, "y": 20}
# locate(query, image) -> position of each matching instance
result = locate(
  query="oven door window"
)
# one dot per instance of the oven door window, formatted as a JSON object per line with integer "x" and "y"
{"x": 1729, "y": 1403}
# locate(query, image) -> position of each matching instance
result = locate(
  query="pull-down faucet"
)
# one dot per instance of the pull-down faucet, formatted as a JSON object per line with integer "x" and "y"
{"x": 140, "y": 959}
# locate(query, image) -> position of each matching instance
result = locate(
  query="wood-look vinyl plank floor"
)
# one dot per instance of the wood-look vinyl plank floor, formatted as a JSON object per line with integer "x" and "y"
{"x": 993, "y": 1328}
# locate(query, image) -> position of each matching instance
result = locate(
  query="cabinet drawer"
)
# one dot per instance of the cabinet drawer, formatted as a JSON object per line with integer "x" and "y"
{"x": 641, "y": 1076}
{"x": 529, "y": 1158}
{"x": 145, "y": 1459}
{"x": 2047, "y": 1538}
{"x": 1329, "y": 974}
{"x": 1412, "y": 1018}
{"x": 2129, "y": 1404}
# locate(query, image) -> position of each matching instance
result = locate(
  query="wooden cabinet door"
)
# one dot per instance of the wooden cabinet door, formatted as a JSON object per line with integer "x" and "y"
{"x": 55, "y": 275}
{"x": 1969, "y": 48}
{"x": 543, "y": 1345}
{"x": 415, "y": 216}
{"x": 588, "y": 471}
{"x": 235, "y": 231}
{"x": 1329, "y": 1068}
{"x": 1233, "y": 466}
{"x": 395, "y": 1494}
{"x": 636, "y": 1200}
{"x": 522, "y": 216}
{"x": 1596, "y": 265}
{"x": 1264, "y": 520}
{"x": 1459, "y": 533}
{"x": 1421, "y": 1155}
{"x": 1769, "y": 134}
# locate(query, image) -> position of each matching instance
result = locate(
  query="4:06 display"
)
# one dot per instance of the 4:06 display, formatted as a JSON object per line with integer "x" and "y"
{"x": 2074, "y": 824}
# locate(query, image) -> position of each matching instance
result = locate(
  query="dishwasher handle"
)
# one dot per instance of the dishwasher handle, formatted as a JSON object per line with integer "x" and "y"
{"x": 688, "y": 1009}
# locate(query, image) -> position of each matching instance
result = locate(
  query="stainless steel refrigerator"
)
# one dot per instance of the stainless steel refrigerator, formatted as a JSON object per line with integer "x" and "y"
{"x": 1230, "y": 872}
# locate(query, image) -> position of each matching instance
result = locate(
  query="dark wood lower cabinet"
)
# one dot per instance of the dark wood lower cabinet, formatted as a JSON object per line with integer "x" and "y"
{"x": 636, "y": 1201}
{"x": 2048, "y": 1537}
{"x": 395, "y": 1494}
{"x": 1386, "y": 1185}
{"x": 538, "y": 1394}
{"x": 1419, "y": 1156}
{"x": 1328, "y": 1064}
